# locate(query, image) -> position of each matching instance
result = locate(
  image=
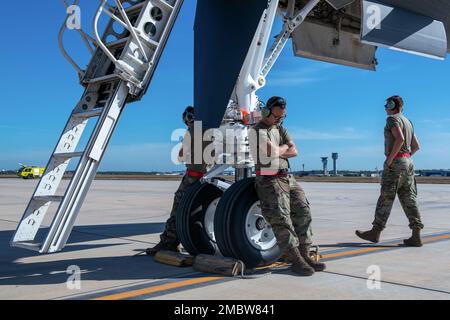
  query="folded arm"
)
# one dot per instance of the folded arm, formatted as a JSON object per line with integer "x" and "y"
{"x": 285, "y": 151}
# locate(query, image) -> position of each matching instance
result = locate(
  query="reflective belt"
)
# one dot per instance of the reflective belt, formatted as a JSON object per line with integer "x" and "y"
{"x": 272, "y": 173}
{"x": 195, "y": 174}
{"x": 402, "y": 155}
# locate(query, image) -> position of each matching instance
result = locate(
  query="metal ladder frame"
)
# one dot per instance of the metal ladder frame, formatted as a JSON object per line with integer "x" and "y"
{"x": 129, "y": 81}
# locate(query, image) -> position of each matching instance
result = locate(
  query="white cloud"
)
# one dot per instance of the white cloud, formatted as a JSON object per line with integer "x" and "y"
{"x": 354, "y": 157}
{"x": 340, "y": 134}
{"x": 23, "y": 129}
{"x": 291, "y": 81}
{"x": 298, "y": 76}
{"x": 134, "y": 157}
{"x": 37, "y": 157}
{"x": 140, "y": 157}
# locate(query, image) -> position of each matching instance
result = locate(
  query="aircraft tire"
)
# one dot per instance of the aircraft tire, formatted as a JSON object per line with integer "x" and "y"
{"x": 241, "y": 231}
{"x": 195, "y": 219}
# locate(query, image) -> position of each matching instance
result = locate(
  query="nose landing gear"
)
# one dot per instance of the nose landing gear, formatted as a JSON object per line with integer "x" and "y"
{"x": 230, "y": 223}
{"x": 195, "y": 219}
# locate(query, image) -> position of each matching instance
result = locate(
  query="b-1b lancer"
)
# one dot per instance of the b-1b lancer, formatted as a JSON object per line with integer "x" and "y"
{"x": 233, "y": 58}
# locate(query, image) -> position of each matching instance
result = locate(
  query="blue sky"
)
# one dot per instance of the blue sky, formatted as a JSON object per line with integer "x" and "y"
{"x": 331, "y": 108}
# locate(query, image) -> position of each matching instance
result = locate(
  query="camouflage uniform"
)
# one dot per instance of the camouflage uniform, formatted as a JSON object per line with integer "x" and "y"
{"x": 285, "y": 207}
{"x": 283, "y": 202}
{"x": 398, "y": 179}
{"x": 170, "y": 234}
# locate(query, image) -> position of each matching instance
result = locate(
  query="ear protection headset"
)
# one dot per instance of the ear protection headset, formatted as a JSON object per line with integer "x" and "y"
{"x": 273, "y": 102}
{"x": 391, "y": 104}
{"x": 188, "y": 115}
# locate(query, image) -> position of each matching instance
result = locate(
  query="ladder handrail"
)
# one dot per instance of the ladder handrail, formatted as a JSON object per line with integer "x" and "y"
{"x": 102, "y": 46}
{"x": 87, "y": 39}
{"x": 131, "y": 29}
{"x": 63, "y": 29}
{"x": 128, "y": 73}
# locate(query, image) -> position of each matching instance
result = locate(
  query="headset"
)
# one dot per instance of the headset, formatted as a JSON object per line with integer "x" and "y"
{"x": 391, "y": 104}
{"x": 266, "y": 111}
{"x": 188, "y": 115}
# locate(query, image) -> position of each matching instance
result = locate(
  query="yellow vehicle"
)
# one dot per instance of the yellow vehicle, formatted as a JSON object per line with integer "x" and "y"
{"x": 27, "y": 172}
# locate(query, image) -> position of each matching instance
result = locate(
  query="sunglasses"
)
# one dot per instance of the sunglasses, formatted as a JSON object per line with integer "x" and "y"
{"x": 279, "y": 118}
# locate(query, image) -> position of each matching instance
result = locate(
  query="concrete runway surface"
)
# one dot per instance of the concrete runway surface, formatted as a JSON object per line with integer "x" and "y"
{"x": 121, "y": 217}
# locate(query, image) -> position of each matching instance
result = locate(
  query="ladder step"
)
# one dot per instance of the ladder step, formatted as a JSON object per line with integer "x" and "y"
{"x": 48, "y": 198}
{"x": 149, "y": 42}
{"x": 165, "y": 4}
{"x": 136, "y": 7}
{"x": 69, "y": 155}
{"x": 89, "y": 114}
{"x": 28, "y": 245}
{"x": 117, "y": 43}
{"x": 103, "y": 79}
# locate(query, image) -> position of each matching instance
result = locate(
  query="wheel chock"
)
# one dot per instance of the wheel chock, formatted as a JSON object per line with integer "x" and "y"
{"x": 174, "y": 259}
{"x": 220, "y": 265}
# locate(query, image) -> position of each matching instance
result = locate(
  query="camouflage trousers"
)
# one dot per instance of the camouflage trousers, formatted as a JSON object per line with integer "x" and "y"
{"x": 284, "y": 205}
{"x": 170, "y": 233}
{"x": 398, "y": 180}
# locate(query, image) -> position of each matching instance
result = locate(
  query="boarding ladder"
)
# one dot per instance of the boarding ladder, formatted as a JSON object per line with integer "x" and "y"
{"x": 119, "y": 73}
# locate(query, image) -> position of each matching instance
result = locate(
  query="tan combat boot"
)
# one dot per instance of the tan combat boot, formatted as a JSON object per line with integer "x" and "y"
{"x": 305, "y": 252}
{"x": 163, "y": 246}
{"x": 371, "y": 235}
{"x": 415, "y": 240}
{"x": 299, "y": 265}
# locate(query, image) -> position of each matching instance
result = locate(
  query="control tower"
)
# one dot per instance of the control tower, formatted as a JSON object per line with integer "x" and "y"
{"x": 335, "y": 157}
{"x": 325, "y": 165}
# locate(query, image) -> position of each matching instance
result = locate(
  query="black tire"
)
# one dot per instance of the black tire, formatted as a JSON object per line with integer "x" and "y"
{"x": 230, "y": 228}
{"x": 190, "y": 219}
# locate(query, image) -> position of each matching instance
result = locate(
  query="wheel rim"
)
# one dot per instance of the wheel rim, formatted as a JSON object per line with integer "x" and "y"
{"x": 209, "y": 219}
{"x": 259, "y": 233}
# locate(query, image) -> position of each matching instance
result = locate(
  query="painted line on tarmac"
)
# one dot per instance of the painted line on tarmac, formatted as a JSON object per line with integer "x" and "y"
{"x": 159, "y": 288}
{"x": 93, "y": 294}
{"x": 391, "y": 282}
{"x": 385, "y": 246}
{"x": 201, "y": 280}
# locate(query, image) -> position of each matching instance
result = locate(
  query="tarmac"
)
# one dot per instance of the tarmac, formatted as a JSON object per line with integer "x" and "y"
{"x": 120, "y": 218}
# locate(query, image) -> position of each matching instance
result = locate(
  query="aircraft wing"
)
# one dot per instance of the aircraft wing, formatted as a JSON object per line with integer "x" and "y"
{"x": 347, "y": 31}
{"x": 436, "y": 9}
